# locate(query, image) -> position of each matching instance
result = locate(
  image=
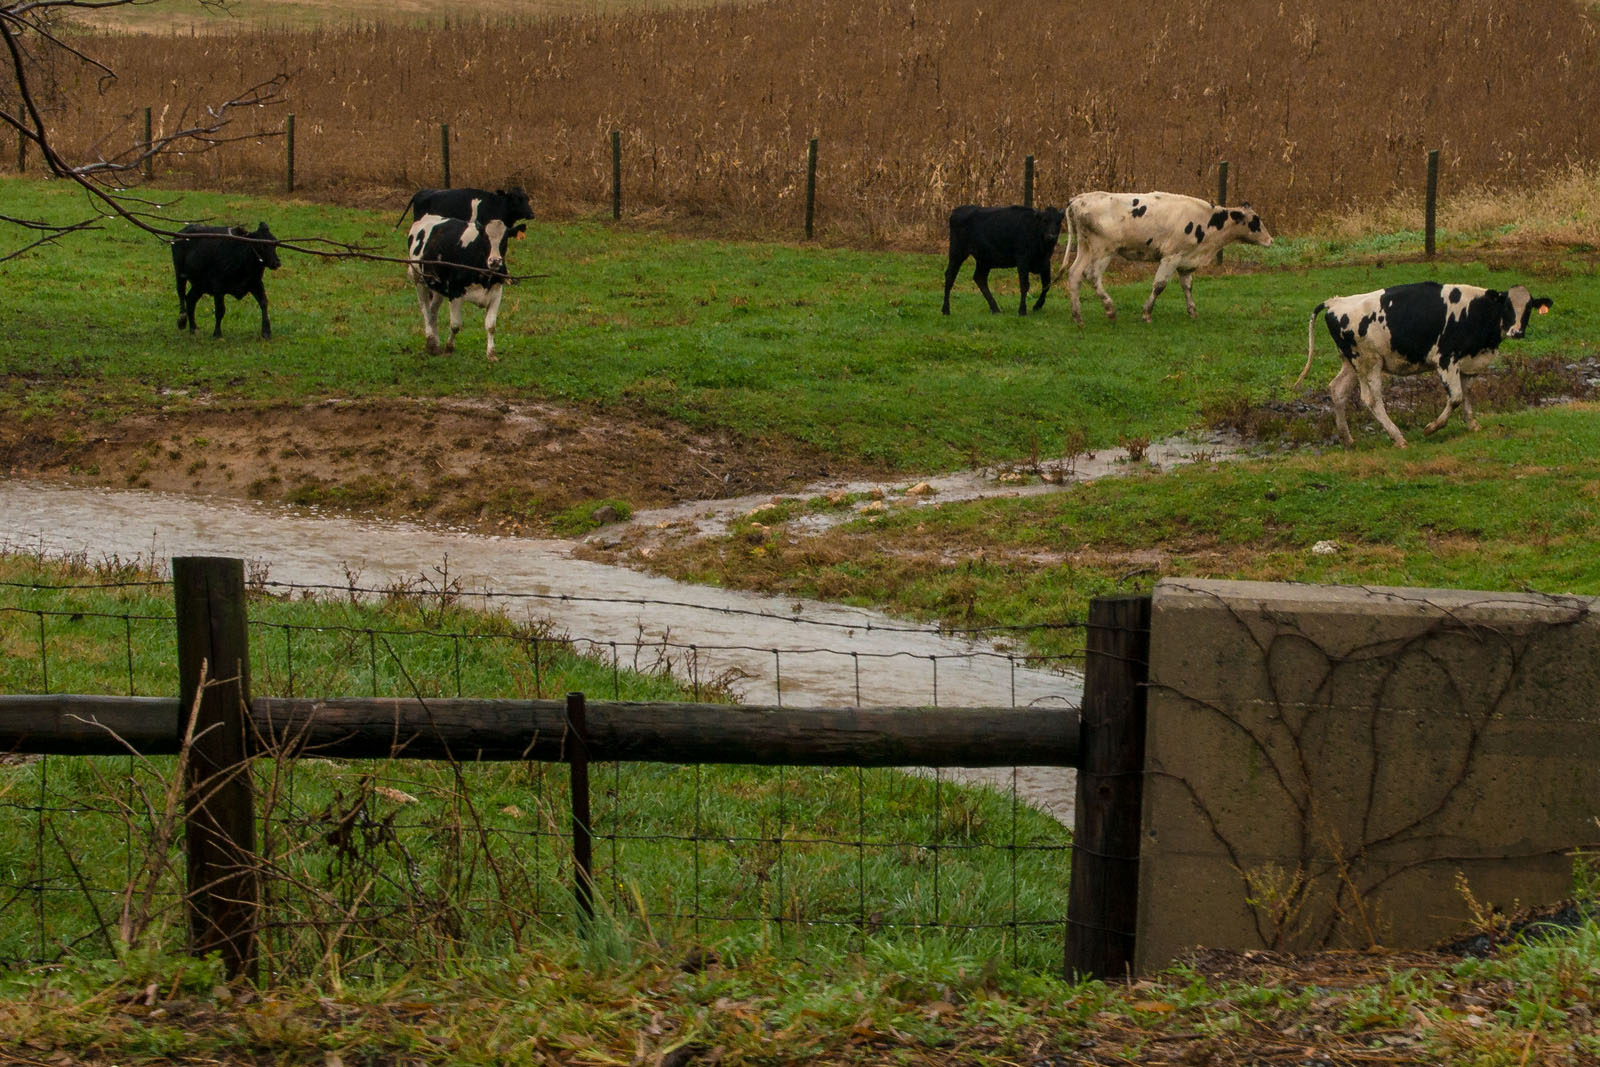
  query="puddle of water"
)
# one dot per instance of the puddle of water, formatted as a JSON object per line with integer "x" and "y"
{"x": 711, "y": 518}
{"x": 798, "y": 653}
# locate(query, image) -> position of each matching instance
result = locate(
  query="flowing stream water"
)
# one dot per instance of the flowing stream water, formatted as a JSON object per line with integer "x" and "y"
{"x": 781, "y": 650}
{"x": 784, "y": 651}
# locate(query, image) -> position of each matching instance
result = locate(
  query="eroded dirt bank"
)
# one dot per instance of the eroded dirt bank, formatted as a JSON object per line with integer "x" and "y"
{"x": 493, "y": 467}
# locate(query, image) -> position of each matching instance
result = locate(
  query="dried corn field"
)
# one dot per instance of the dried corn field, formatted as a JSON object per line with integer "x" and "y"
{"x": 918, "y": 105}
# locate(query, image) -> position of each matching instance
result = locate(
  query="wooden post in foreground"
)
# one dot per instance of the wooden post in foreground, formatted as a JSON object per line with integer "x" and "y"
{"x": 1102, "y": 901}
{"x": 219, "y": 807}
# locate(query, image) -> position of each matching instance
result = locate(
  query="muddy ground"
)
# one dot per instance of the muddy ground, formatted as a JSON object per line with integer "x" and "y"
{"x": 491, "y": 467}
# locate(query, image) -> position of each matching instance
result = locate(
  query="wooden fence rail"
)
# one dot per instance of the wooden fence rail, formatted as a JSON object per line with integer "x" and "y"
{"x": 231, "y": 727}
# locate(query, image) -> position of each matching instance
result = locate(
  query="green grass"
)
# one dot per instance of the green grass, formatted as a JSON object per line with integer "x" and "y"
{"x": 843, "y": 350}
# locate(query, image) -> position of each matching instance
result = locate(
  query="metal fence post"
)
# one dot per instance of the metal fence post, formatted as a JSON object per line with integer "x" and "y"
{"x": 616, "y": 174}
{"x": 1222, "y": 192}
{"x": 1102, "y": 899}
{"x": 1027, "y": 182}
{"x": 444, "y": 150}
{"x": 582, "y": 834}
{"x": 219, "y": 806}
{"x": 811, "y": 185}
{"x": 1431, "y": 204}
{"x": 288, "y": 134}
{"x": 149, "y": 147}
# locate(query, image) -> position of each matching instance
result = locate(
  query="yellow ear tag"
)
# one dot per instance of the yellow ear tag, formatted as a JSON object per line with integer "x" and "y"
{"x": 1544, "y": 311}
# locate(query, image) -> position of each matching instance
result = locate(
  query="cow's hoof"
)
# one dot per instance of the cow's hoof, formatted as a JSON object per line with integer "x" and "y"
{"x": 433, "y": 348}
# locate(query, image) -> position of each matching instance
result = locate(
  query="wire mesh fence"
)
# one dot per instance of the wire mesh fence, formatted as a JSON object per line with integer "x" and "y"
{"x": 374, "y": 866}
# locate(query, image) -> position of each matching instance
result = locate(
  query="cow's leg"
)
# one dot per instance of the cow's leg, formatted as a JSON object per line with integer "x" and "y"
{"x": 1339, "y": 391}
{"x": 1022, "y": 287}
{"x": 1097, "y": 276}
{"x": 1164, "y": 274}
{"x": 950, "y": 273}
{"x": 1186, "y": 279}
{"x": 1372, "y": 396}
{"x": 183, "y": 304}
{"x": 491, "y": 315}
{"x": 428, "y": 300}
{"x": 1074, "y": 281}
{"x": 1044, "y": 284}
{"x": 981, "y": 276}
{"x": 218, "y": 331}
{"x": 260, "y": 293}
{"x": 193, "y": 302}
{"x": 455, "y": 324}
{"x": 1455, "y": 393}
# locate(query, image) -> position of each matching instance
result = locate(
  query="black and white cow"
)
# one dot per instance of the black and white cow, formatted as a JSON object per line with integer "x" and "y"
{"x": 1020, "y": 237}
{"x": 1455, "y": 330}
{"x": 455, "y": 260}
{"x": 222, "y": 261}
{"x": 510, "y": 206}
{"x": 1180, "y": 233}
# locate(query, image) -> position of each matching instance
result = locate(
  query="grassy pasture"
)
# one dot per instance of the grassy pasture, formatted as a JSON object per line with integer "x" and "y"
{"x": 843, "y": 350}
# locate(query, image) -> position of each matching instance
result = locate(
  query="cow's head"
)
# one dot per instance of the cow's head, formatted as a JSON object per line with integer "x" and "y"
{"x": 1249, "y": 225}
{"x": 1049, "y": 221}
{"x": 497, "y": 232}
{"x": 1518, "y": 306}
{"x": 517, "y": 205}
{"x": 267, "y": 250}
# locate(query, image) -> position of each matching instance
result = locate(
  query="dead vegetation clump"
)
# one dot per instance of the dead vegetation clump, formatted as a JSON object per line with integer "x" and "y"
{"x": 917, "y": 106}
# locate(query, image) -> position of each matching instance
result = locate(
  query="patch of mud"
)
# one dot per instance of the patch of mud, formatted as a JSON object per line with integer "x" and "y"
{"x": 494, "y": 467}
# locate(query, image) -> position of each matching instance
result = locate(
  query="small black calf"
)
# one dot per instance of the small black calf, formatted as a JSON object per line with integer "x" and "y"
{"x": 222, "y": 261}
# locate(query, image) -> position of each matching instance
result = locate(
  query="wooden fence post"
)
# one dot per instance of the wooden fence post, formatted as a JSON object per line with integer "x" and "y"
{"x": 1431, "y": 202}
{"x": 1027, "y": 182}
{"x": 444, "y": 150}
{"x": 1102, "y": 900}
{"x": 616, "y": 174}
{"x": 219, "y": 819}
{"x": 288, "y": 135}
{"x": 811, "y": 185}
{"x": 582, "y": 836}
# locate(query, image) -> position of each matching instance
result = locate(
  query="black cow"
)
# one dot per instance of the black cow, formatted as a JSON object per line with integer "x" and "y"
{"x": 510, "y": 206}
{"x": 222, "y": 261}
{"x": 1020, "y": 237}
{"x": 1407, "y": 329}
{"x": 455, "y": 260}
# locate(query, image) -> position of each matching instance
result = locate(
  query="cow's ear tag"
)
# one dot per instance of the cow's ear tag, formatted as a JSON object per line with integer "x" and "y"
{"x": 521, "y": 235}
{"x": 1544, "y": 311}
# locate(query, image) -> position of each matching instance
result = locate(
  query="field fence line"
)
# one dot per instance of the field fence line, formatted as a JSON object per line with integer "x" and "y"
{"x": 340, "y": 842}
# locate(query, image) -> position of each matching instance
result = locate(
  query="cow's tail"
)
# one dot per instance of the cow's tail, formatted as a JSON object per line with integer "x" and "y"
{"x": 1311, "y": 340}
{"x": 403, "y": 211}
{"x": 1072, "y": 237}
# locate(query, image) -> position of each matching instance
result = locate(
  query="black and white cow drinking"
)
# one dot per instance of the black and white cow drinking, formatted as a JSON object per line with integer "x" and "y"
{"x": 1179, "y": 233}
{"x": 454, "y": 260}
{"x": 222, "y": 261}
{"x": 1455, "y": 330}
{"x": 510, "y": 206}
{"x": 1020, "y": 237}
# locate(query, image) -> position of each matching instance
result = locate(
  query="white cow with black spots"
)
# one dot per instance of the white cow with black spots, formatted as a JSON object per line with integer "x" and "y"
{"x": 1455, "y": 330}
{"x": 1180, "y": 233}
{"x": 455, "y": 260}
